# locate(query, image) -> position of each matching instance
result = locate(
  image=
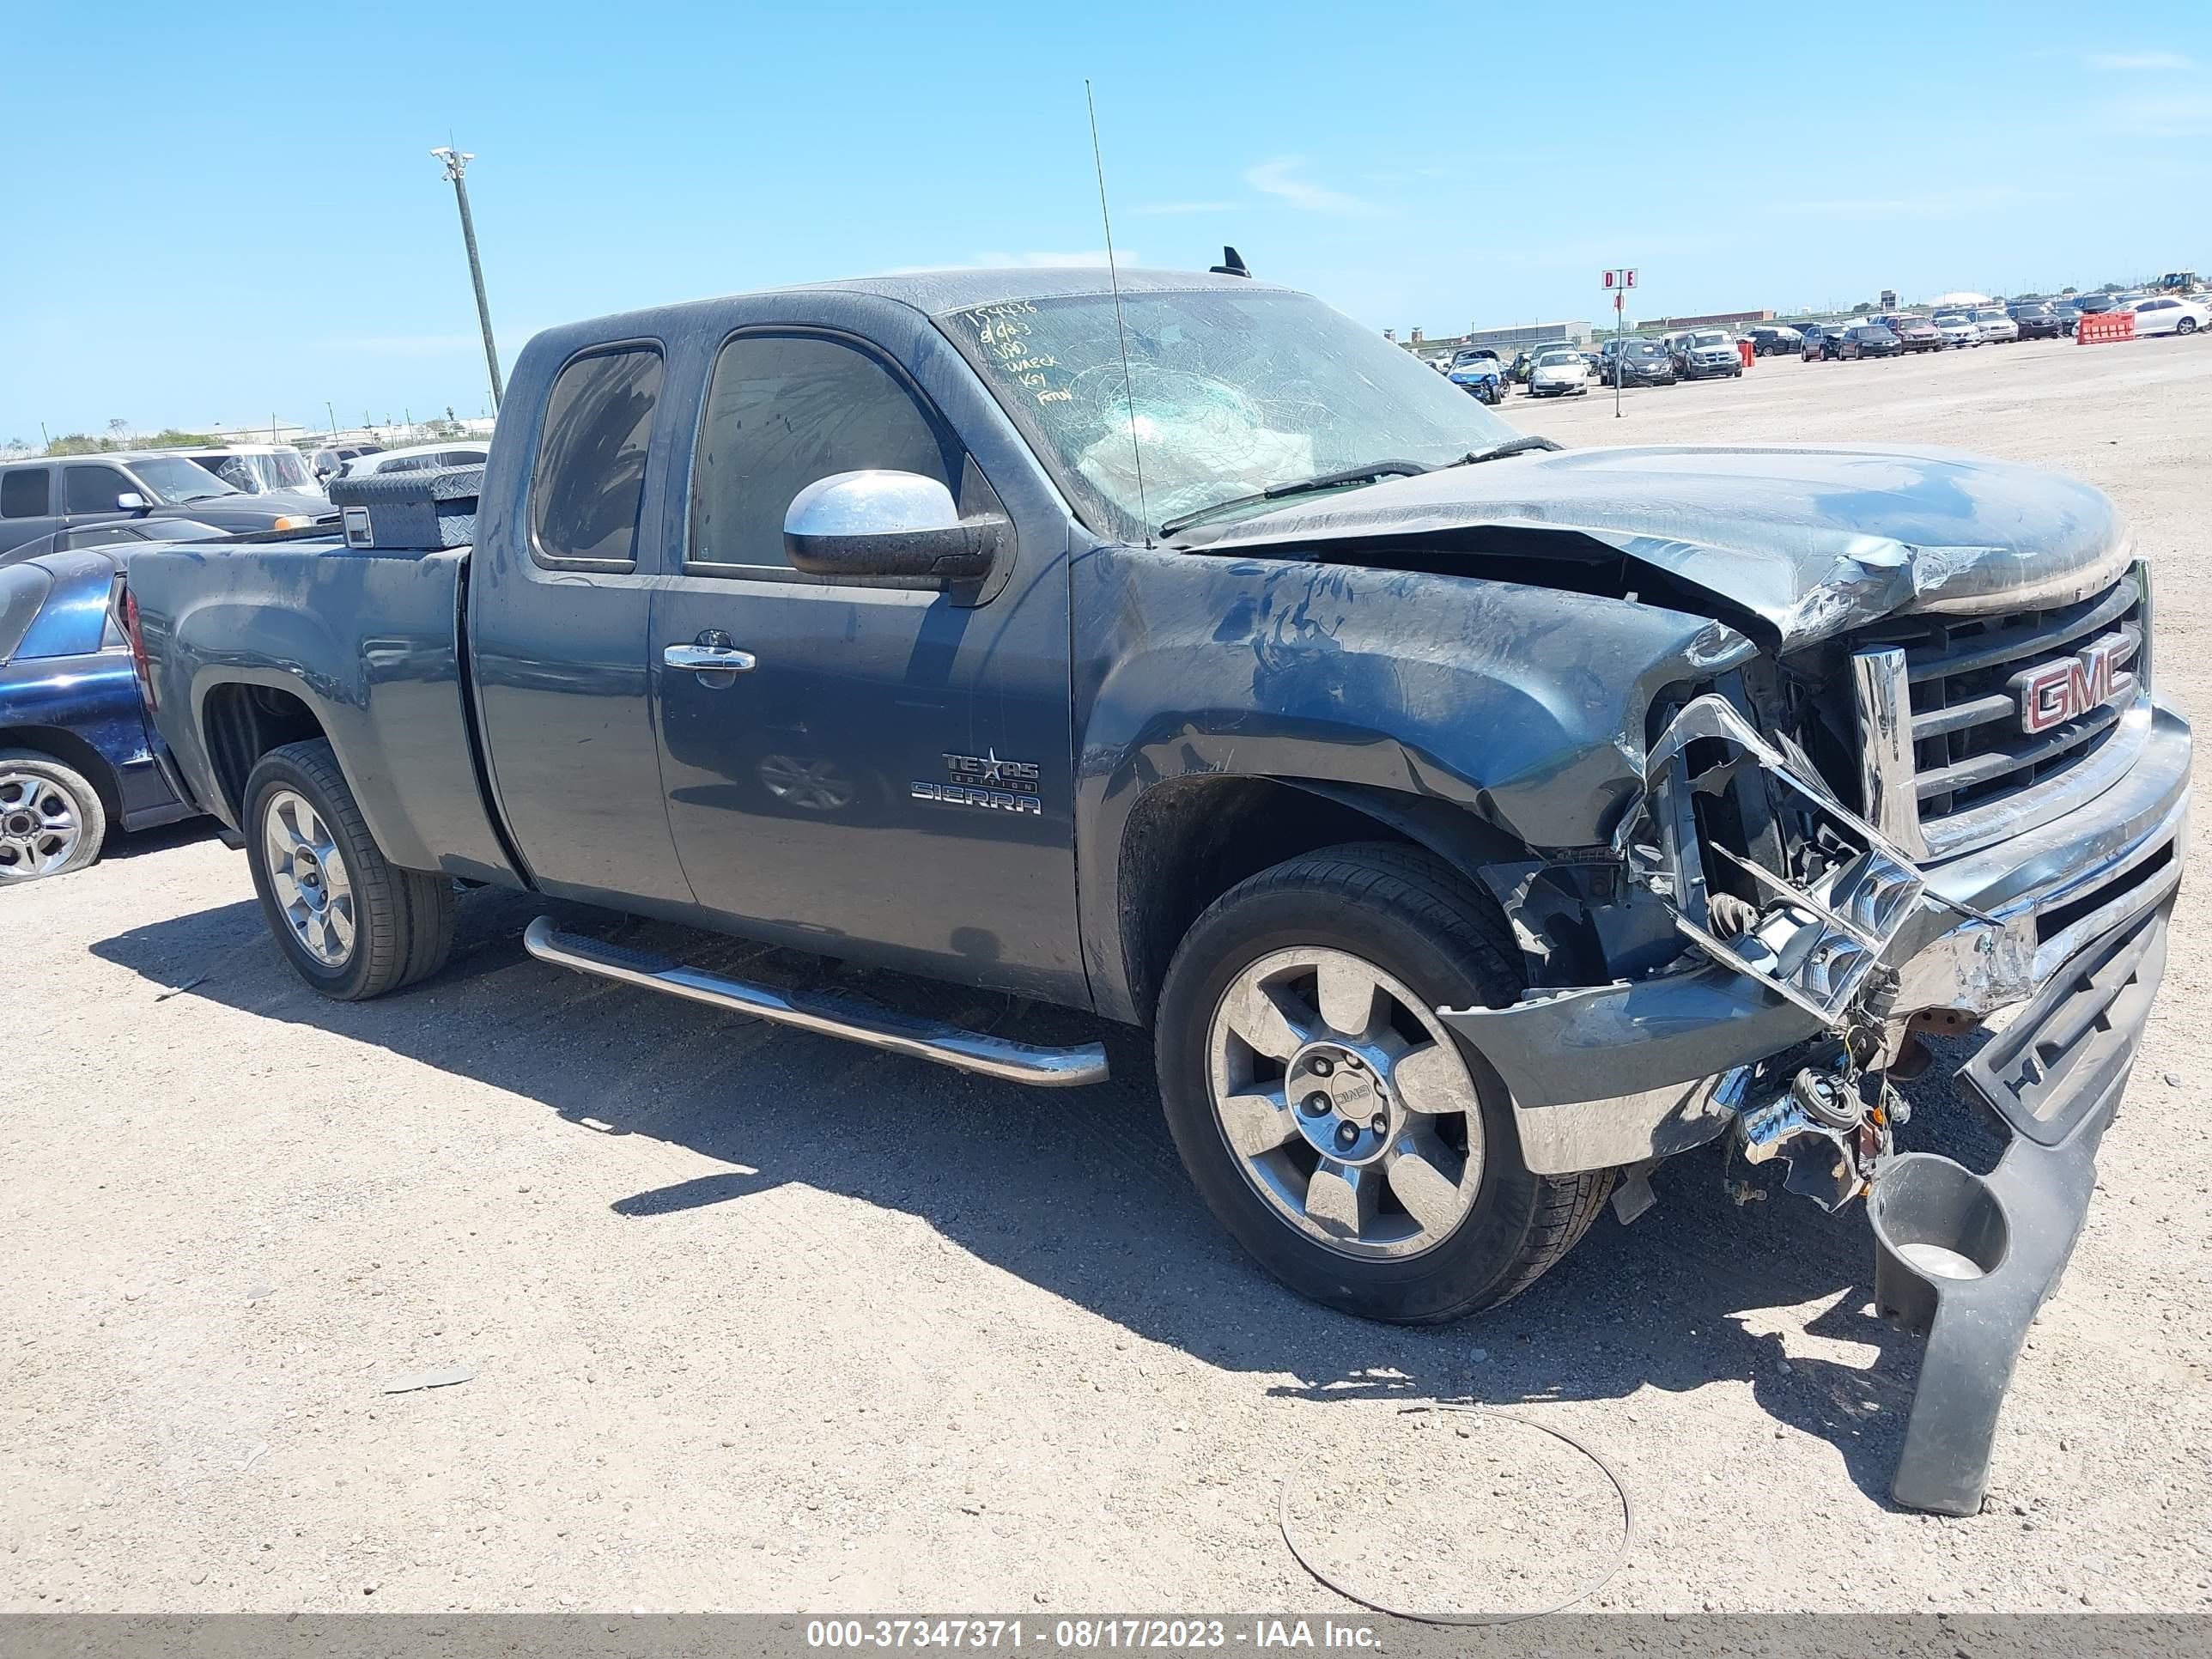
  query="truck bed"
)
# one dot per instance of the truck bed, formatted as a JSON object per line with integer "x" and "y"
{"x": 287, "y": 626}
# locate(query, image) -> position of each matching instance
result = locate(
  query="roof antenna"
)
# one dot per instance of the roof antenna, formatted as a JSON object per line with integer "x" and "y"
{"x": 1114, "y": 276}
{"x": 1232, "y": 264}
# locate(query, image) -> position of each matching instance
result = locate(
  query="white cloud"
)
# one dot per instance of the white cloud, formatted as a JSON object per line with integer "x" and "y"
{"x": 1184, "y": 207}
{"x": 1277, "y": 179}
{"x": 2141, "y": 62}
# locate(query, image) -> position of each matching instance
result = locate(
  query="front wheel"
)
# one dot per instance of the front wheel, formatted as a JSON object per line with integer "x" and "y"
{"x": 1360, "y": 1150}
{"x": 51, "y": 819}
{"x": 2187, "y": 325}
{"x": 351, "y": 925}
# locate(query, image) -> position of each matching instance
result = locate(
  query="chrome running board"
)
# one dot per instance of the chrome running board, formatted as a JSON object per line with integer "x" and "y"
{"x": 879, "y": 1028}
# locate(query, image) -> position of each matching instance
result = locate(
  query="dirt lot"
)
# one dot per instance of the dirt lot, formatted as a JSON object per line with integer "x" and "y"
{"x": 758, "y": 1320}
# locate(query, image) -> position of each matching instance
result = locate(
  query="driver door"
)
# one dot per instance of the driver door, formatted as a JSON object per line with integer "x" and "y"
{"x": 891, "y": 777}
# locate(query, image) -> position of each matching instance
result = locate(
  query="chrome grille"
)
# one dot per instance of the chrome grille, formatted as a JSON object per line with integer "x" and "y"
{"x": 1973, "y": 728}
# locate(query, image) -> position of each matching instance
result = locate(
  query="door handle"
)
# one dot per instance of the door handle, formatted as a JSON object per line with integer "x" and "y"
{"x": 708, "y": 659}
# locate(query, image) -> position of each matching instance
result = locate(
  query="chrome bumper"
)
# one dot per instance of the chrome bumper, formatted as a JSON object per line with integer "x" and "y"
{"x": 1609, "y": 1075}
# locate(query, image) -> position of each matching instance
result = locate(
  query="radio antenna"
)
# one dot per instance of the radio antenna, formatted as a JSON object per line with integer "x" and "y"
{"x": 1114, "y": 277}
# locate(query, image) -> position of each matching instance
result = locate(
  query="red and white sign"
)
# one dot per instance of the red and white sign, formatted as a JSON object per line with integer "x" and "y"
{"x": 1620, "y": 276}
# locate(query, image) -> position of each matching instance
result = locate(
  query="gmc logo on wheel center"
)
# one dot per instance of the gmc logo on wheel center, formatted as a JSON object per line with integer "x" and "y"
{"x": 2068, "y": 689}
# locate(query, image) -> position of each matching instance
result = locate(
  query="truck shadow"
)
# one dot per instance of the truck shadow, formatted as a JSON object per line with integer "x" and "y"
{"x": 1081, "y": 1192}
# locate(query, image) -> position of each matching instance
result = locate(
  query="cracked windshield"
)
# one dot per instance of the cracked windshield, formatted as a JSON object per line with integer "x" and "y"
{"x": 1228, "y": 393}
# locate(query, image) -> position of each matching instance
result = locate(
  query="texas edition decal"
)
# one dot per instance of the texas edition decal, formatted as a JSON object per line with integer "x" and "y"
{"x": 984, "y": 780}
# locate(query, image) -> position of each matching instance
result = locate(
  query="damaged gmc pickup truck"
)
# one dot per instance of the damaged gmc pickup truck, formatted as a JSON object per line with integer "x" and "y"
{"x": 1474, "y": 822}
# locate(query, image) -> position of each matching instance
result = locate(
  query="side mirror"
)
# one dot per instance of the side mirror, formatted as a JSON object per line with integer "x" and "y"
{"x": 858, "y": 526}
{"x": 131, "y": 502}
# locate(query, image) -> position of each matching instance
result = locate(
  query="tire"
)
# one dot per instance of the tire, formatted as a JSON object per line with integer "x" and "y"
{"x": 2185, "y": 327}
{"x": 362, "y": 927}
{"x": 51, "y": 819}
{"x": 1394, "y": 914}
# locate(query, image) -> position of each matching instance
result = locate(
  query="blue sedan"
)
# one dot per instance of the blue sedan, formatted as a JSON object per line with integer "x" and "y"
{"x": 77, "y": 756}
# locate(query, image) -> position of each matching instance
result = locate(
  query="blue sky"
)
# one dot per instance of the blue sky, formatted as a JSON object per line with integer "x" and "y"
{"x": 240, "y": 218}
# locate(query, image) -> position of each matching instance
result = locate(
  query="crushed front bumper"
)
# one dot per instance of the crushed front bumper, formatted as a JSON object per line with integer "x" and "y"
{"x": 1966, "y": 1260}
{"x": 1611, "y": 1074}
{"x": 2054, "y": 938}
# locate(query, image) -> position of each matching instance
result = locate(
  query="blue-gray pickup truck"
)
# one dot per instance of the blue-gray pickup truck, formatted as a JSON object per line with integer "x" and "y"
{"x": 1473, "y": 822}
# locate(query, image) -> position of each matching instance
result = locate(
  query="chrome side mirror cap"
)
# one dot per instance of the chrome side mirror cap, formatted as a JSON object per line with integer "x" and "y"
{"x": 879, "y": 525}
{"x": 131, "y": 502}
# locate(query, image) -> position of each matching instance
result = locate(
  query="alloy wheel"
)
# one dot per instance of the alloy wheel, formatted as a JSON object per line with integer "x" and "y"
{"x": 309, "y": 875}
{"x": 40, "y": 825}
{"x": 1349, "y": 1107}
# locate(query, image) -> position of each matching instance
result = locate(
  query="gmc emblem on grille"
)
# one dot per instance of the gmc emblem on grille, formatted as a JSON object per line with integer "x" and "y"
{"x": 2066, "y": 689}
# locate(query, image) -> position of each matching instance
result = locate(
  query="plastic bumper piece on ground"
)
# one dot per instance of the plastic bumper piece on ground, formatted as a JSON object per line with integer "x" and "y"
{"x": 1967, "y": 1259}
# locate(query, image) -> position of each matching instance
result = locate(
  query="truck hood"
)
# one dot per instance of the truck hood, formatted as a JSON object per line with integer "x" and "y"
{"x": 1797, "y": 543}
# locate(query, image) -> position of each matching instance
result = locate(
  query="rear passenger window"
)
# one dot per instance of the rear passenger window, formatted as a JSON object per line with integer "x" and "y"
{"x": 783, "y": 411}
{"x": 24, "y": 493}
{"x": 591, "y": 459}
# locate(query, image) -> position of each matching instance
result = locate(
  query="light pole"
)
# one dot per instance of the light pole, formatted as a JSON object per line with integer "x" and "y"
{"x": 457, "y": 163}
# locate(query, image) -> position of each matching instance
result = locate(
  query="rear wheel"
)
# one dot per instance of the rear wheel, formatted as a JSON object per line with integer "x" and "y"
{"x": 1345, "y": 1136}
{"x": 350, "y": 924}
{"x": 52, "y": 818}
{"x": 2186, "y": 325}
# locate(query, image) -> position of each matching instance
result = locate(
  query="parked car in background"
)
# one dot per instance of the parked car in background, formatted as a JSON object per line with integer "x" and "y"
{"x": 76, "y": 755}
{"x": 121, "y": 534}
{"x": 1913, "y": 333}
{"x": 1480, "y": 373}
{"x": 417, "y": 457}
{"x": 1774, "y": 339}
{"x": 2037, "y": 319}
{"x": 1868, "y": 340}
{"x": 2068, "y": 315}
{"x": 1956, "y": 328}
{"x": 329, "y": 461}
{"x": 257, "y": 468}
{"x": 1558, "y": 371}
{"x": 1993, "y": 324}
{"x": 1636, "y": 362}
{"x": 39, "y": 497}
{"x": 1819, "y": 341}
{"x": 1707, "y": 354}
{"x": 2165, "y": 313}
{"x": 2094, "y": 305}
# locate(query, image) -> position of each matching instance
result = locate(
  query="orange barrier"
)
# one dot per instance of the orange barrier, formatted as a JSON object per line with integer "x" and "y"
{"x": 2095, "y": 328}
{"x": 1748, "y": 352}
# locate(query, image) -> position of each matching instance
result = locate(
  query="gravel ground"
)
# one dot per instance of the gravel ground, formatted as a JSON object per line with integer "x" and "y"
{"x": 758, "y": 1320}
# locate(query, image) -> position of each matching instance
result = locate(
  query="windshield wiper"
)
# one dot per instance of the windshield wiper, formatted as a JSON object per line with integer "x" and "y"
{"x": 1521, "y": 446}
{"x": 1366, "y": 472}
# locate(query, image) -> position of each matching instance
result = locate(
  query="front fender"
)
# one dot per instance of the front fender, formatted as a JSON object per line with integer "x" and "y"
{"x": 1522, "y": 705}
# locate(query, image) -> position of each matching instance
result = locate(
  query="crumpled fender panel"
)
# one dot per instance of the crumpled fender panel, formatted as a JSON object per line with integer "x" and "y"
{"x": 1523, "y": 705}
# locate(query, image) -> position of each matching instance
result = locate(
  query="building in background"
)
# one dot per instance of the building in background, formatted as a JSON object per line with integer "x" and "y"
{"x": 1717, "y": 319}
{"x": 1509, "y": 338}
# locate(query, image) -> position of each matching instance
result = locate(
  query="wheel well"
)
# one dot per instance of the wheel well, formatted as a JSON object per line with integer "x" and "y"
{"x": 242, "y": 723}
{"x": 1190, "y": 840}
{"x": 72, "y": 751}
